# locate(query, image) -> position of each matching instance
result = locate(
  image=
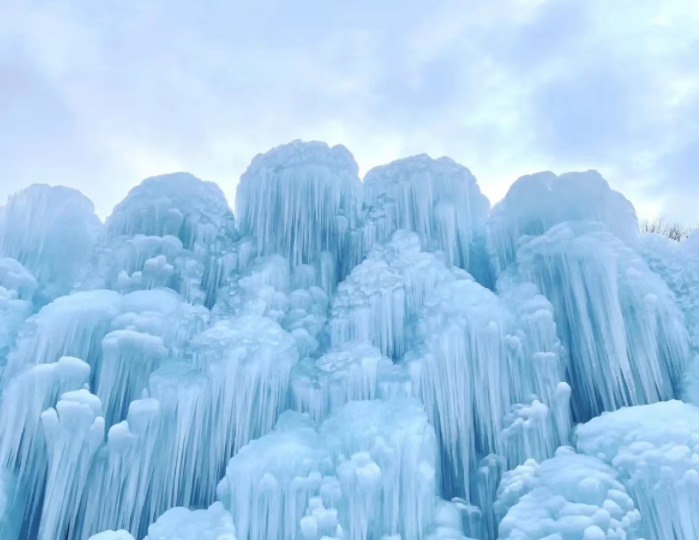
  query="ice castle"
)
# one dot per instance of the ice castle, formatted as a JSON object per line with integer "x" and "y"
{"x": 377, "y": 359}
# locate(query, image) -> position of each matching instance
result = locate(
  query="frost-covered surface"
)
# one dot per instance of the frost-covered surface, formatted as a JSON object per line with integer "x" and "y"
{"x": 570, "y": 496}
{"x": 171, "y": 231}
{"x": 346, "y": 368}
{"x": 436, "y": 198}
{"x": 537, "y": 202}
{"x": 655, "y": 449}
{"x": 51, "y": 231}
{"x": 627, "y": 339}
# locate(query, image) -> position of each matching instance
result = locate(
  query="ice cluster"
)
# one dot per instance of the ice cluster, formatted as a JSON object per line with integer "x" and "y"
{"x": 386, "y": 359}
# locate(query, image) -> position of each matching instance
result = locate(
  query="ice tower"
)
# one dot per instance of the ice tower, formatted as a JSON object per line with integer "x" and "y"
{"x": 377, "y": 360}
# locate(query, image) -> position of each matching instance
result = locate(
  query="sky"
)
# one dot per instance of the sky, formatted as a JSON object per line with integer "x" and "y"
{"x": 100, "y": 95}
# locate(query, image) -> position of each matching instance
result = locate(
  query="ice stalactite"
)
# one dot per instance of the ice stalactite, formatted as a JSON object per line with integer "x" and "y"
{"x": 627, "y": 339}
{"x": 171, "y": 231}
{"x": 121, "y": 477}
{"x": 655, "y": 450}
{"x": 436, "y": 198}
{"x": 491, "y": 378}
{"x": 568, "y": 496}
{"x": 22, "y": 438}
{"x": 352, "y": 372}
{"x": 537, "y": 202}
{"x": 302, "y": 201}
{"x": 74, "y": 431}
{"x": 39, "y": 226}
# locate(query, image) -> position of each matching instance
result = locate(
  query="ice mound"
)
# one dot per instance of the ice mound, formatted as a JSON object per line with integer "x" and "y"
{"x": 369, "y": 470}
{"x": 380, "y": 300}
{"x": 300, "y": 200}
{"x": 436, "y": 198}
{"x": 171, "y": 231}
{"x": 655, "y": 450}
{"x": 490, "y": 373}
{"x": 570, "y": 496}
{"x": 50, "y": 231}
{"x": 626, "y": 337}
{"x": 537, "y": 202}
{"x": 112, "y": 535}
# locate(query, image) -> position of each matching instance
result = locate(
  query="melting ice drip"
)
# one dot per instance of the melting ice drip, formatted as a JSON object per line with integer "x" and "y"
{"x": 385, "y": 360}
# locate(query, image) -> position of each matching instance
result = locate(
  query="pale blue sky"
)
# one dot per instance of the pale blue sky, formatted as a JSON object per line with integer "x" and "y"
{"x": 99, "y": 95}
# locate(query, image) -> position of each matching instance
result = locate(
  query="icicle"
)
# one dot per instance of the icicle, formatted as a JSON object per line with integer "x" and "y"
{"x": 627, "y": 340}
{"x": 349, "y": 373}
{"x": 39, "y": 226}
{"x": 436, "y": 198}
{"x": 74, "y": 431}
{"x": 301, "y": 199}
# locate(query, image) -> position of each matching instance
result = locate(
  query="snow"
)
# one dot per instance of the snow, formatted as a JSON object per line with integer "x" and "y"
{"x": 384, "y": 360}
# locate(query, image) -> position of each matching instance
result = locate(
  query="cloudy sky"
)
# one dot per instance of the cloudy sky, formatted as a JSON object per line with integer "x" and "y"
{"x": 99, "y": 95}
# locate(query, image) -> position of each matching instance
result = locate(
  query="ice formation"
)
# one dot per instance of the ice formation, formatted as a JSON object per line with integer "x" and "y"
{"x": 655, "y": 450}
{"x": 377, "y": 360}
{"x": 436, "y": 198}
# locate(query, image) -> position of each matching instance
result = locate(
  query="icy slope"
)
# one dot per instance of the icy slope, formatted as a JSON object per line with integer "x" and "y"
{"x": 345, "y": 361}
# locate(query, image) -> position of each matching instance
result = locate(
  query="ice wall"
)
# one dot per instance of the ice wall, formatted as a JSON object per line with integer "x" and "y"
{"x": 436, "y": 198}
{"x": 51, "y": 231}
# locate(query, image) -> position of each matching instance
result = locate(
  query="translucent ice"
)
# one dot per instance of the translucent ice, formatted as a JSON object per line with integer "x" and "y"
{"x": 49, "y": 230}
{"x": 436, "y": 198}
{"x": 655, "y": 449}
{"x": 569, "y": 496}
{"x": 537, "y": 202}
{"x": 300, "y": 200}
